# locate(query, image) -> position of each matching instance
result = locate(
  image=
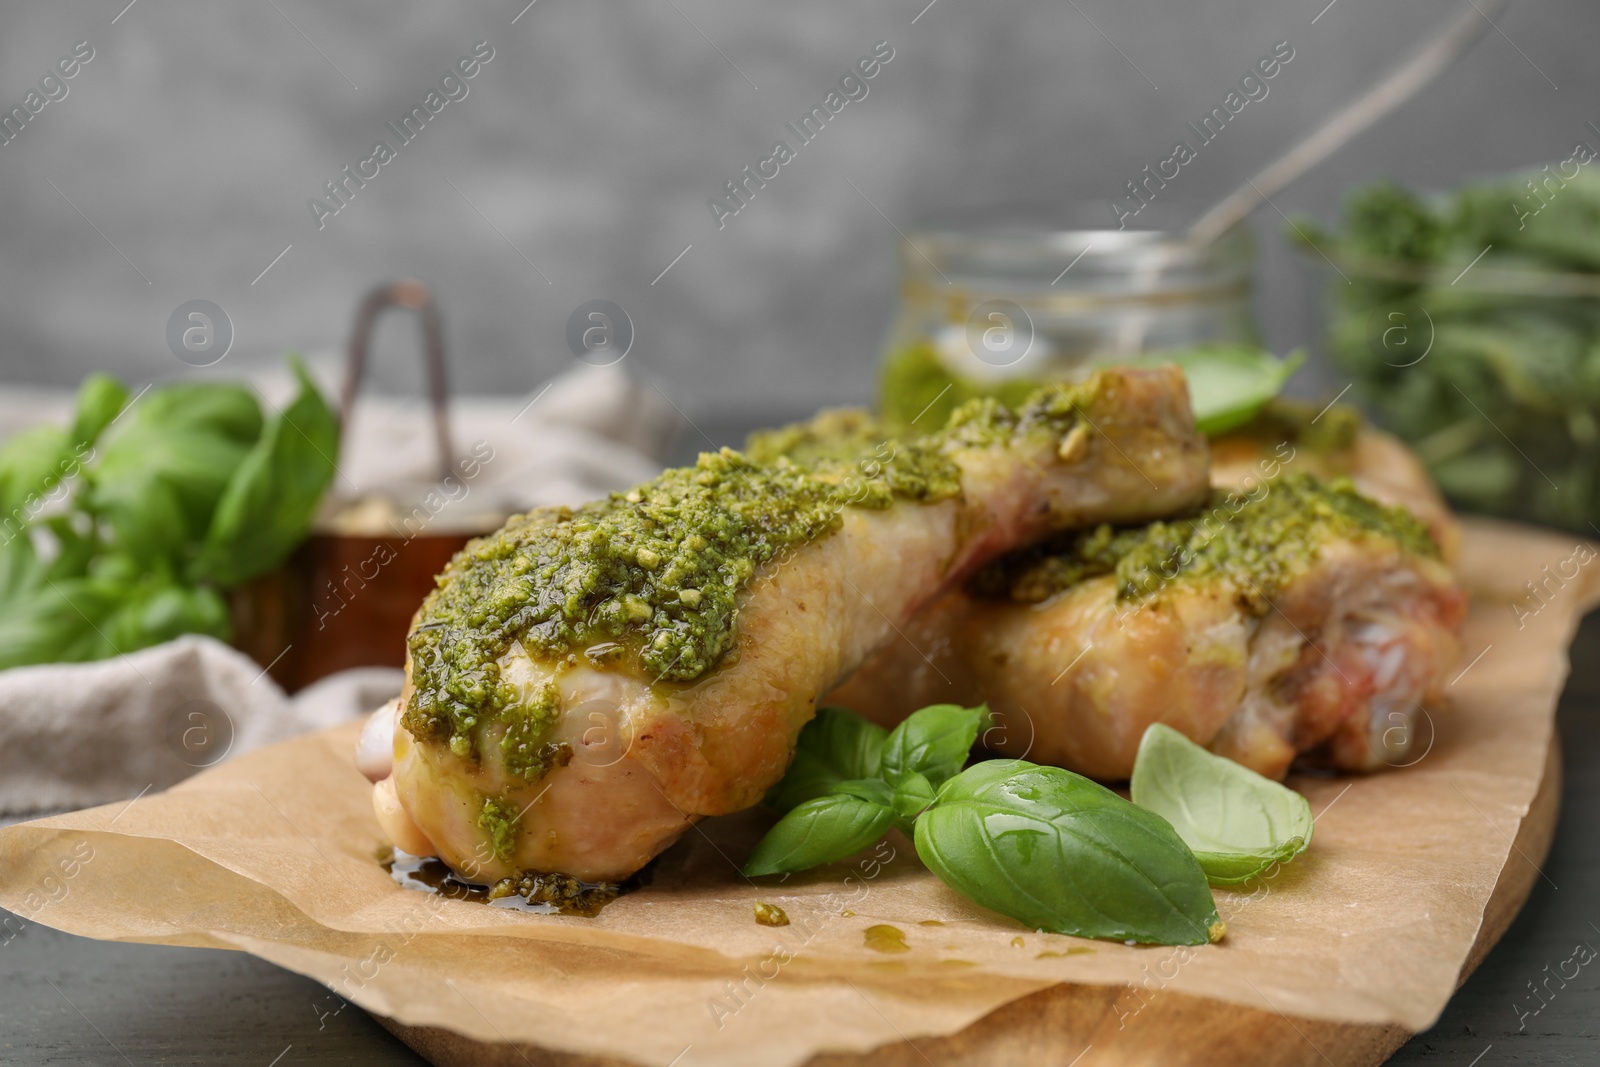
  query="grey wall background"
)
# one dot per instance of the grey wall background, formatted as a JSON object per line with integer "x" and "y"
{"x": 591, "y": 141}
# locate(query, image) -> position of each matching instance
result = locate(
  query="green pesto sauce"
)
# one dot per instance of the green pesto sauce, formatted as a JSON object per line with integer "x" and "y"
{"x": 499, "y": 819}
{"x": 830, "y": 434}
{"x": 850, "y": 447}
{"x": 1327, "y": 430}
{"x": 1256, "y": 546}
{"x": 566, "y": 894}
{"x": 838, "y": 435}
{"x": 650, "y": 579}
{"x": 523, "y": 747}
{"x": 916, "y": 387}
{"x": 650, "y": 576}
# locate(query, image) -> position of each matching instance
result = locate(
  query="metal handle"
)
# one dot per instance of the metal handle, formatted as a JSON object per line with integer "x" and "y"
{"x": 411, "y": 294}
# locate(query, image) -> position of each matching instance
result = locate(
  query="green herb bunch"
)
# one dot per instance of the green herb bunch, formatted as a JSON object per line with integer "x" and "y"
{"x": 1042, "y": 845}
{"x": 1471, "y": 322}
{"x": 125, "y": 529}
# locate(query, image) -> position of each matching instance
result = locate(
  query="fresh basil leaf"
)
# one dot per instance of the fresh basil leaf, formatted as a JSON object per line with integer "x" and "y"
{"x": 824, "y": 829}
{"x": 152, "y": 475}
{"x": 159, "y": 476}
{"x": 1228, "y": 384}
{"x": 159, "y": 611}
{"x": 221, "y": 409}
{"x": 872, "y": 790}
{"x": 56, "y": 622}
{"x": 807, "y": 778}
{"x": 267, "y": 507}
{"x": 31, "y": 467}
{"x": 75, "y": 549}
{"x": 1237, "y": 822}
{"x": 933, "y": 742}
{"x": 19, "y": 565}
{"x": 912, "y": 793}
{"x": 144, "y": 516}
{"x": 835, "y": 746}
{"x": 101, "y": 398}
{"x": 1057, "y": 852}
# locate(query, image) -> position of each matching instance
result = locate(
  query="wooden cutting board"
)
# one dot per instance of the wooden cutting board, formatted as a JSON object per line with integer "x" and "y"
{"x": 1078, "y": 1025}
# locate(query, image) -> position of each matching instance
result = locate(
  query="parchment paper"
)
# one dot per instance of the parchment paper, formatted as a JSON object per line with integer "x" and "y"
{"x": 273, "y": 853}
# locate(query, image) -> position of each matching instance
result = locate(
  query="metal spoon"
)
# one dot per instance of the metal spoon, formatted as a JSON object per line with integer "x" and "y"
{"x": 1382, "y": 98}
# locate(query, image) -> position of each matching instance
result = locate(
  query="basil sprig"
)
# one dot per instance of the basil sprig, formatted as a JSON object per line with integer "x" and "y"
{"x": 130, "y": 526}
{"x": 1236, "y": 822}
{"x": 1039, "y": 844}
{"x": 933, "y": 743}
{"x": 836, "y": 746}
{"x": 1058, "y": 852}
{"x": 851, "y": 780}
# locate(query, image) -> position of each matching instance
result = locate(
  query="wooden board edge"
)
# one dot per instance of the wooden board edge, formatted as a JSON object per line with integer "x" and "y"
{"x": 1115, "y": 1026}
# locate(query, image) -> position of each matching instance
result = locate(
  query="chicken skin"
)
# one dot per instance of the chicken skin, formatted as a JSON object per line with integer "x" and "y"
{"x": 1301, "y": 619}
{"x": 1335, "y": 442}
{"x": 585, "y": 684}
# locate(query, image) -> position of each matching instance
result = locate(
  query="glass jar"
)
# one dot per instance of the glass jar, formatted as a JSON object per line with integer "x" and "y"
{"x": 994, "y": 310}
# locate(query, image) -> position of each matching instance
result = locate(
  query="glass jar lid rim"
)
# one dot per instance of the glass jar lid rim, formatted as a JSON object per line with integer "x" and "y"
{"x": 1024, "y": 237}
{"x": 1010, "y": 250}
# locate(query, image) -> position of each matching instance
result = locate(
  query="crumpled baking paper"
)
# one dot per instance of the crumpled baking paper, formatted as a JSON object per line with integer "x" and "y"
{"x": 273, "y": 853}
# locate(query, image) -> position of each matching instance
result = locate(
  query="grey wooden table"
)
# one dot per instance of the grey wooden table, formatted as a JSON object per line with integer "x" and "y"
{"x": 65, "y": 999}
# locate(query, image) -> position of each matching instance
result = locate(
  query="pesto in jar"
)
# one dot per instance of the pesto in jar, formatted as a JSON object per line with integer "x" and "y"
{"x": 916, "y": 386}
{"x": 1256, "y": 545}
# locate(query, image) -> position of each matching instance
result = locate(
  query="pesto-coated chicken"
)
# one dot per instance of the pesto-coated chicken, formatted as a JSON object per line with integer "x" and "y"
{"x": 586, "y": 683}
{"x": 1334, "y": 442}
{"x": 1301, "y": 618}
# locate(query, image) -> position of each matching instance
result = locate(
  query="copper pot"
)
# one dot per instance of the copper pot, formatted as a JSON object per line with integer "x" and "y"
{"x": 340, "y": 601}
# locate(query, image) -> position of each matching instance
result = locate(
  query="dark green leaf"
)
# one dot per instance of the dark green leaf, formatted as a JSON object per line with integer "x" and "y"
{"x": 834, "y": 746}
{"x": 807, "y": 778}
{"x": 272, "y": 497}
{"x": 1237, "y": 822}
{"x": 933, "y": 742}
{"x": 1057, "y": 852}
{"x": 824, "y": 829}
{"x": 912, "y": 793}
{"x": 101, "y": 398}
